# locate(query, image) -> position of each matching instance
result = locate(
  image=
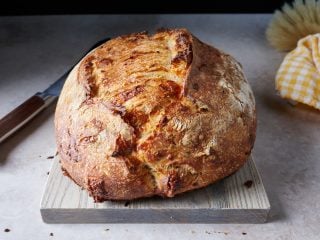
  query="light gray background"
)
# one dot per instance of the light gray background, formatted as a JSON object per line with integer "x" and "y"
{"x": 34, "y": 51}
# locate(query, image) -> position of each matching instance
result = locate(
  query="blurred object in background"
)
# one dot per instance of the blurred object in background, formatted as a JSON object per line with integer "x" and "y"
{"x": 297, "y": 27}
{"x": 292, "y": 23}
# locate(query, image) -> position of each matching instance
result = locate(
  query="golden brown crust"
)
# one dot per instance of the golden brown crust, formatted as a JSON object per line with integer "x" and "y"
{"x": 154, "y": 115}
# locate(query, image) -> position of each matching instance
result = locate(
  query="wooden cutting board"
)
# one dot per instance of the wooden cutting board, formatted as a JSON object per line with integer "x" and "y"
{"x": 239, "y": 198}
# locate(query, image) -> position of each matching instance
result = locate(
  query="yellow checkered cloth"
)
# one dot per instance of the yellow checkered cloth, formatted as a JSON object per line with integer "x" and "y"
{"x": 298, "y": 77}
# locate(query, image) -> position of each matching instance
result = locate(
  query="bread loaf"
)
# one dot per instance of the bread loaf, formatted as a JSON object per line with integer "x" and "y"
{"x": 162, "y": 114}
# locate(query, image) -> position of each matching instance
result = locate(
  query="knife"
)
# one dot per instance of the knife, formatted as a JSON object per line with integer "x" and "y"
{"x": 35, "y": 104}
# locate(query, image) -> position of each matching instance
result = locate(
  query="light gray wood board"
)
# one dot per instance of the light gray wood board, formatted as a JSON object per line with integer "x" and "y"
{"x": 228, "y": 201}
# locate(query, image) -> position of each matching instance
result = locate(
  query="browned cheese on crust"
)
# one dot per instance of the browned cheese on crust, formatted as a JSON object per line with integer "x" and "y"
{"x": 152, "y": 115}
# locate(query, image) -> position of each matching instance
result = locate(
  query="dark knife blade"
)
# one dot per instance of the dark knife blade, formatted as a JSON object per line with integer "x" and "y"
{"x": 55, "y": 88}
{"x": 32, "y": 106}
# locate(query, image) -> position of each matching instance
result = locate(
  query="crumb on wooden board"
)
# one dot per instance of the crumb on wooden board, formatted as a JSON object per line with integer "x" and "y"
{"x": 248, "y": 183}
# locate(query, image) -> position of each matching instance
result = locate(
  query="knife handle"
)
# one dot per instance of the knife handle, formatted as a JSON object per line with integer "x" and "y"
{"x": 21, "y": 115}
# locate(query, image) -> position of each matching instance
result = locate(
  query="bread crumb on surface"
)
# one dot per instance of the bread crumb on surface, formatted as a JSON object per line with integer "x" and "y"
{"x": 225, "y": 233}
{"x": 248, "y": 183}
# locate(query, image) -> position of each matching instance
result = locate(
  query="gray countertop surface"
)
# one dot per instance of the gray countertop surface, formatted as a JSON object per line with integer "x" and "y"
{"x": 36, "y": 50}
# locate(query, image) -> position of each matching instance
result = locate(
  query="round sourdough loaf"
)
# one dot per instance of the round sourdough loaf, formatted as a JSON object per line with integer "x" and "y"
{"x": 152, "y": 115}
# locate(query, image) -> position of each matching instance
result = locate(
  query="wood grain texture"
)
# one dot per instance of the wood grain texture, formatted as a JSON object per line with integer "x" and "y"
{"x": 228, "y": 201}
